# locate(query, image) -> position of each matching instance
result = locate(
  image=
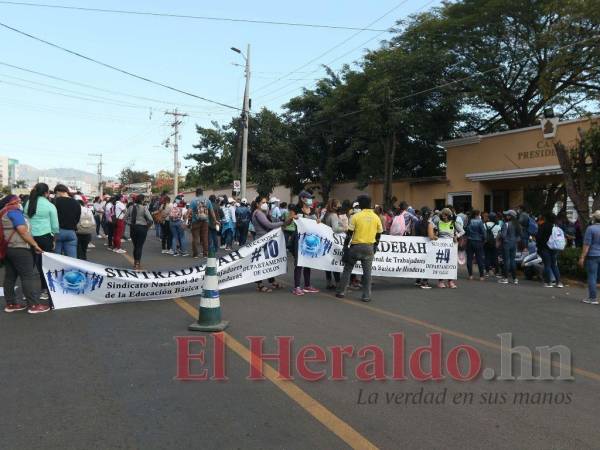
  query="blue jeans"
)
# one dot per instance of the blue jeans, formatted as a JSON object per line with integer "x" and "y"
{"x": 592, "y": 265}
{"x": 157, "y": 229}
{"x": 66, "y": 243}
{"x": 550, "y": 265}
{"x": 178, "y": 233}
{"x": 509, "y": 253}
{"x": 228, "y": 237}
{"x": 213, "y": 240}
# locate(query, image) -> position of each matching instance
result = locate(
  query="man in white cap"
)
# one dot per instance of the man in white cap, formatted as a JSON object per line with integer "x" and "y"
{"x": 243, "y": 216}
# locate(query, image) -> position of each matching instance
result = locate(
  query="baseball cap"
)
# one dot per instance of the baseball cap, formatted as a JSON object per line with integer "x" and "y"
{"x": 510, "y": 212}
{"x": 305, "y": 194}
{"x": 355, "y": 205}
{"x": 244, "y": 201}
{"x": 274, "y": 200}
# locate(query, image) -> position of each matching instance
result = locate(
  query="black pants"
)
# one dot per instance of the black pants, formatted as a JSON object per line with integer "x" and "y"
{"x": 243, "y": 233}
{"x": 336, "y": 276}
{"x": 46, "y": 243}
{"x": 19, "y": 264}
{"x": 110, "y": 231}
{"x": 166, "y": 238}
{"x": 83, "y": 240}
{"x": 475, "y": 248}
{"x": 138, "y": 235}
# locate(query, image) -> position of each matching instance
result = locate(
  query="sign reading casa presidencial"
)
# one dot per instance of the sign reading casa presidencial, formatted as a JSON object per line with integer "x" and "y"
{"x": 73, "y": 282}
{"x": 397, "y": 256}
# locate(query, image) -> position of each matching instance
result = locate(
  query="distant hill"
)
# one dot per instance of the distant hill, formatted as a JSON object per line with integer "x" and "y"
{"x": 30, "y": 173}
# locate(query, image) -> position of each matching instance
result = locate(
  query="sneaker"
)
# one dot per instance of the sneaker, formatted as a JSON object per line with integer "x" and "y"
{"x": 560, "y": 285}
{"x": 14, "y": 308}
{"x": 310, "y": 290}
{"x": 164, "y": 252}
{"x": 365, "y": 299}
{"x": 503, "y": 281}
{"x": 339, "y": 295}
{"x": 38, "y": 309}
{"x": 548, "y": 285}
{"x": 184, "y": 254}
{"x": 590, "y": 301}
{"x": 120, "y": 251}
{"x": 442, "y": 285}
{"x": 417, "y": 283}
{"x": 98, "y": 236}
{"x": 44, "y": 295}
{"x": 174, "y": 253}
{"x": 297, "y": 291}
{"x": 452, "y": 285}
{"x": 425, "y": 286}
{"x": 90, "y": 245}
{"x": 515, "y": 281}
{"x": 109, "y": 249}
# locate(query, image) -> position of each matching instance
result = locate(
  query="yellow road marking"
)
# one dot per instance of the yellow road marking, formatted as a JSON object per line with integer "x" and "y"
{"x": 483, "y": 342}
{"x": 412, "y": 320}
{"x": 333, "y": 423}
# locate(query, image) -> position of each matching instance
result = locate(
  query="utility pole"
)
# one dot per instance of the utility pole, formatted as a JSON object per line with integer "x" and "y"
{"x": 100, "y": 164}
{"x": 246, "y": 121}
{"x": 175, "y": 124}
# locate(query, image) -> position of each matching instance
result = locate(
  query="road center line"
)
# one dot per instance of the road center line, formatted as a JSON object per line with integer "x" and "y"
{"x": 333, "y": 423}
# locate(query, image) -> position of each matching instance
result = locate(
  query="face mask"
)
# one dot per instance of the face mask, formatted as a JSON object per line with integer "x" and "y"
{"x": 356, "y": 210}
{"x": 264, "y": 207}
{"x": 309, "y": 202}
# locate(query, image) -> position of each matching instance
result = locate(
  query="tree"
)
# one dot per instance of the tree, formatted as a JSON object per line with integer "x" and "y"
{"x": 511, "y": 59}
{"x": 130, "y": 176}
{"x": 581, "y": 168}
{"x": 20, "y": 184}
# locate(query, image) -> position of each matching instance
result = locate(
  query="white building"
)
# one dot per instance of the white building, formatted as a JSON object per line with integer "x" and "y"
{"x": 9, "y": 172}
{"x": 73, "y": 184}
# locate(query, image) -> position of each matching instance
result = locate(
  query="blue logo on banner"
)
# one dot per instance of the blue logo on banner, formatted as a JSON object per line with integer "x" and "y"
{"x": 73, "y": 281}
{"x": 314, "y": 246}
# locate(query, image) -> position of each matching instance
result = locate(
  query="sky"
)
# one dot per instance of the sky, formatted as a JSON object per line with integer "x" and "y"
{"x": 48, "y": 123}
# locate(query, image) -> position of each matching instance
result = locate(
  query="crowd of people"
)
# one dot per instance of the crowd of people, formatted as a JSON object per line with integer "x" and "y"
{"x": 64, "y": 222}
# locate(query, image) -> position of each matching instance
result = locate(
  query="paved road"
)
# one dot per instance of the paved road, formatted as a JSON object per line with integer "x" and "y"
{"x": 103, "y": 377}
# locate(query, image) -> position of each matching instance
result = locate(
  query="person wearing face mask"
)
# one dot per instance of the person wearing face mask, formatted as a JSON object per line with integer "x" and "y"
{"x": 445, "y": 228}
{"x": 262, "y": 225}
{"x": 304, "y": 210}
{"x": 43, "y": 219}
{"x": 332, "y": 220}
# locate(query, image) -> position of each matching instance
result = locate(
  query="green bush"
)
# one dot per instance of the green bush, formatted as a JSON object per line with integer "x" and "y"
{"x": 567, "y": 263}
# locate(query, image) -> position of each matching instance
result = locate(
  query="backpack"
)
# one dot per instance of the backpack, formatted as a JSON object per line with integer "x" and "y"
{"x": 87, "y": 223}
{"x": 557, "y": 239}
{"x": 3, "y": 241}
{"x": 175, "y": 213}
{"x": 242, "y": 215}
{"x": 490, "y": 240}
{"x": 199, "y": 210}
{"x": 532, "y": 226}
{"x": 398, "y": 227}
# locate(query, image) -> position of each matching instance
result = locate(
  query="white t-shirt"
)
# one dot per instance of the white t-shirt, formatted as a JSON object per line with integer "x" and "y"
{"x": 120, "y": 210}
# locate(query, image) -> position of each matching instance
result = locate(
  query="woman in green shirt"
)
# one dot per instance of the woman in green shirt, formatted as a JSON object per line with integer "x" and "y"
{"x": 43, "y": 219}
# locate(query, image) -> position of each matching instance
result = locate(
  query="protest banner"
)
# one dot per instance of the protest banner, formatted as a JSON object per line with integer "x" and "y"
{"x": 397, "y": 256}
{"x": 73, "y": 282}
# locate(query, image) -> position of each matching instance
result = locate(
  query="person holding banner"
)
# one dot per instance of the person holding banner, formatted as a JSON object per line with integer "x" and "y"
{"x": 262, "y": 225}
{"x": 445, "y": 228}
{"x": 332, "y": 220}
{"x": 305, "y": 209}
{"x": 362, "y": 239}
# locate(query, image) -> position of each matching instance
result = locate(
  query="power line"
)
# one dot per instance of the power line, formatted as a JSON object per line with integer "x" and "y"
{"x": 89, "y": 86}
{"x": 334, "y": 60}
{"x": 444, "y": 85}
{"x": 131, "y": 74}
{"x": 187, "y": 16}
{"x": 353, "y": 35}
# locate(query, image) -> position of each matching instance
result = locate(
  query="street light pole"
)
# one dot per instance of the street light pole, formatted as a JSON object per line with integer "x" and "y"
{"x": 246, "y": 122}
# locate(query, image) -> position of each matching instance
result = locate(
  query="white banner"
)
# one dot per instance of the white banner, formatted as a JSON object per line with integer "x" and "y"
{"x": 397, "y": 256}
{"x": 73, "y": 282}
